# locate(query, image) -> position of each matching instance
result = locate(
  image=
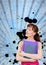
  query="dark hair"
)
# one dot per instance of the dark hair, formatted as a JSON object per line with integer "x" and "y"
{"x": 35, "y": 29}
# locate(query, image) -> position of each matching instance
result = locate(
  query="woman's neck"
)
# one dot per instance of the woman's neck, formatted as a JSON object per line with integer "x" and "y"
{"x": 31, "y": 38}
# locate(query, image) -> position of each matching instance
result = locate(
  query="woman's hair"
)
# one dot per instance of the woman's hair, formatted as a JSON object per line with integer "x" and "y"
{"x": 35, "y": 29}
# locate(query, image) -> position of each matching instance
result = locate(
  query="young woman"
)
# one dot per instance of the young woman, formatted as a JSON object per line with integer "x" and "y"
{"x": 32, "y": 36}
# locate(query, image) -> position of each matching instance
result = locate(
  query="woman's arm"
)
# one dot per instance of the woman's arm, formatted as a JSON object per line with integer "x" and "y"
{"x": 34, "y": 56}
{"x": 19, "y": 57}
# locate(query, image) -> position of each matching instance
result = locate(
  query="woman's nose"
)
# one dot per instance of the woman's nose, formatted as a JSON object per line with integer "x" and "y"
{"x": 26, "y": 31}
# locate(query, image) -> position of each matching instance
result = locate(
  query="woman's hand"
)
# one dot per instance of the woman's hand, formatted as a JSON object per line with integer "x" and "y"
{"x": 22, "y": 53}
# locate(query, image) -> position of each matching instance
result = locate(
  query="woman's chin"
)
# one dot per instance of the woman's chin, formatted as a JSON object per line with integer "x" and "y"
{"x": 26, "y": 35}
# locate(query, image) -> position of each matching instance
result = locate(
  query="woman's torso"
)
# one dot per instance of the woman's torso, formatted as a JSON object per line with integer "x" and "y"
{"x": 34, "y": 51}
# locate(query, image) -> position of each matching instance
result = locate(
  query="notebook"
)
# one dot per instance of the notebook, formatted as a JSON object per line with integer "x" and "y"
{"x": 30, "y": 47}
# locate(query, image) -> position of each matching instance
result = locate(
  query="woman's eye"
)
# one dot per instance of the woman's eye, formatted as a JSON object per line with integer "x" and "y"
{"x": 29, "y": 29}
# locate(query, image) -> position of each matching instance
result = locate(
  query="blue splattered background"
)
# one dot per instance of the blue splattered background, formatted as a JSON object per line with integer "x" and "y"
{"x": 12, "y": 14}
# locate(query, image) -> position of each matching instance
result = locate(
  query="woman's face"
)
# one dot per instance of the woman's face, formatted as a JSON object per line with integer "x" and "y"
{"x": 29, "y": 32}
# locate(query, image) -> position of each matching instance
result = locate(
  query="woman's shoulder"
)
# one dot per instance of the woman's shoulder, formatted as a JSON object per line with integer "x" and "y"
{"x": 21, "y": 42}
{"x": 39, "y": 43}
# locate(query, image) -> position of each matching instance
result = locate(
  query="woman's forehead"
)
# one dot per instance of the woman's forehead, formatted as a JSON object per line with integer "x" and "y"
{"x": 29, "y": 27}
